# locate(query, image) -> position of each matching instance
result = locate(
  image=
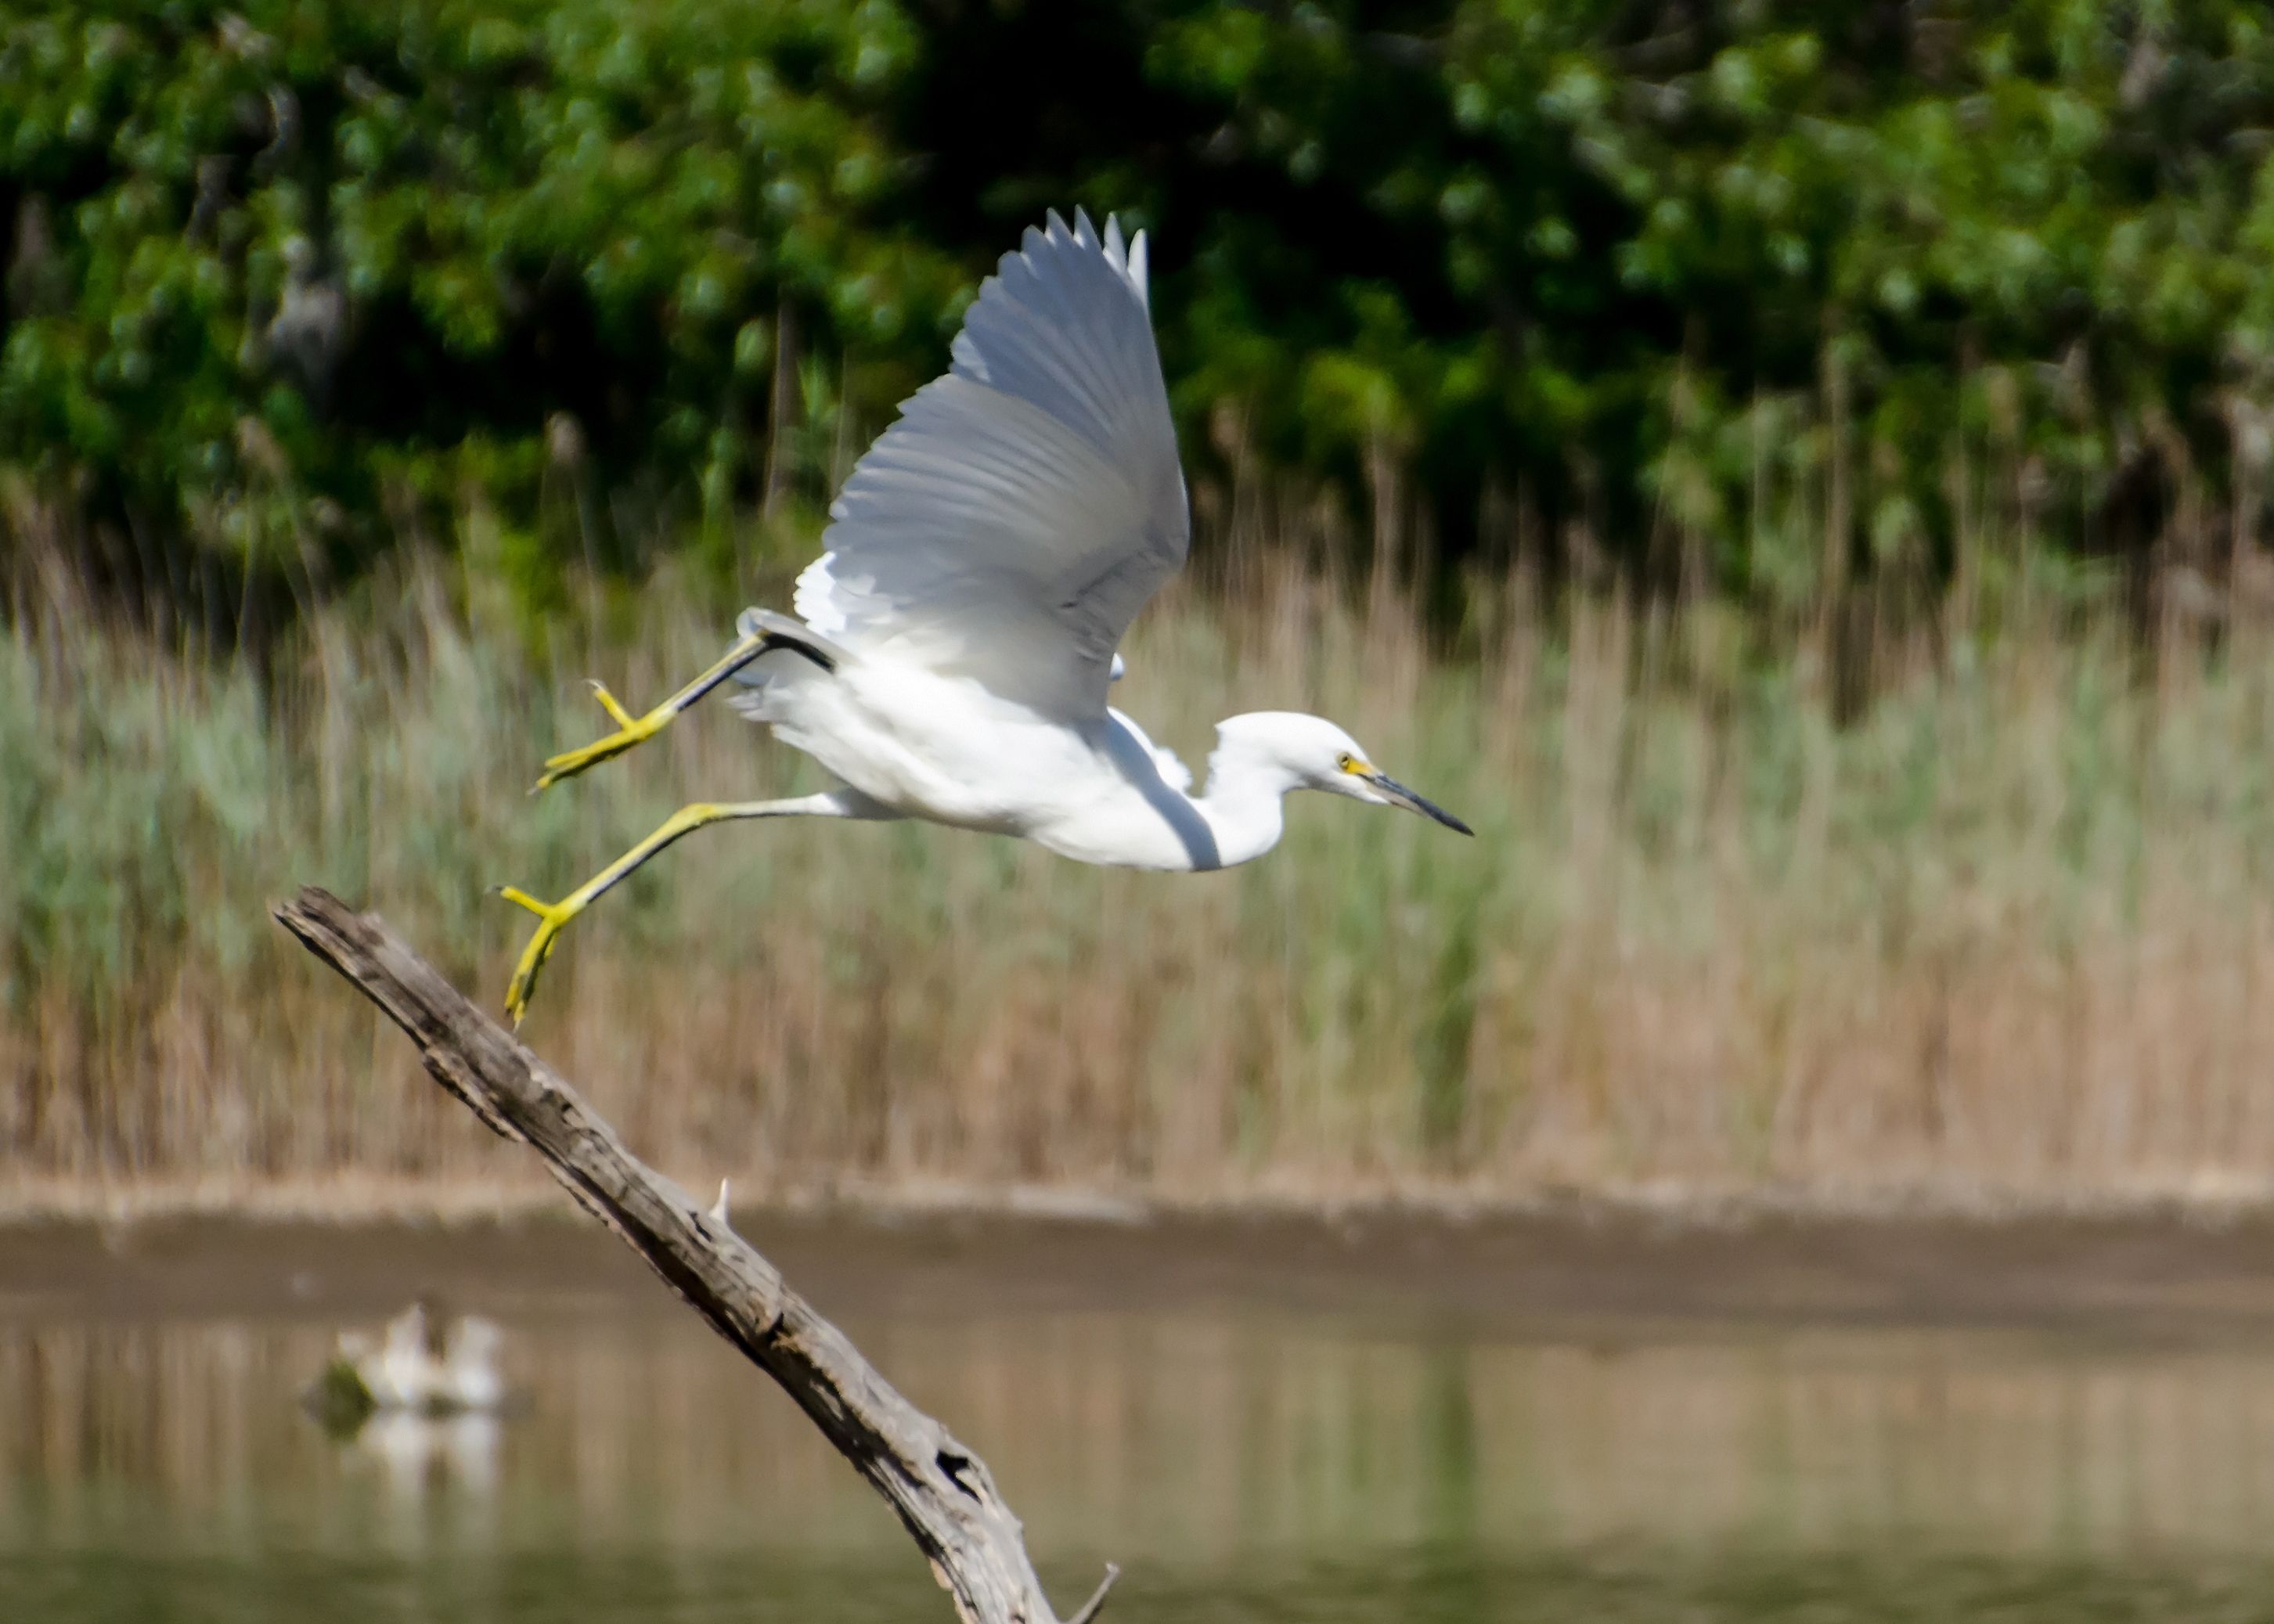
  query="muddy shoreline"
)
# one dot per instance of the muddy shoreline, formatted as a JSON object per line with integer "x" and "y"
{"x": 2154, "y": 1274}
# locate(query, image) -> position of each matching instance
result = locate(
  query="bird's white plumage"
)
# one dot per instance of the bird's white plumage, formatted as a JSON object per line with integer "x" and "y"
{"x": 958, "y": 631}
{"x": 1172, "y": 769}
{"x": 1014, "y": 520}
{"x": 987, "y": 554}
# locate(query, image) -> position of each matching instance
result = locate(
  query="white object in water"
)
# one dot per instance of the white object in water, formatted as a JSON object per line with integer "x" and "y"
{"x": 402, "y": 1373}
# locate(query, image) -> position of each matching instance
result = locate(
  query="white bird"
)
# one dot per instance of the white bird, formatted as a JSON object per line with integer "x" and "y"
{"x": 402, "y": 1372}
{"x": 954, "y": 642}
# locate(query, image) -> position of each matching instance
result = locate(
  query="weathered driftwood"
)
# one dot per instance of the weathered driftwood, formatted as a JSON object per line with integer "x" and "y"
{"x": 943, "y": 1493}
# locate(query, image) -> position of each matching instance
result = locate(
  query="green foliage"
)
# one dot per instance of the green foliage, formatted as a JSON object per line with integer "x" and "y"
{"x": 318, "y": 245}
{"x": 1627, "y": 261}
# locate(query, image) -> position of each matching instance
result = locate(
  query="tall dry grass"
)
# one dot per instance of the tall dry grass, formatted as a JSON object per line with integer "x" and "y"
{"x": 2002, "y": 931}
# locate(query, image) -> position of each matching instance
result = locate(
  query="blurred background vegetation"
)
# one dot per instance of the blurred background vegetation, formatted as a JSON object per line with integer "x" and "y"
{"x": 1794, "y": 476}
{"x": 1600, "y": 277}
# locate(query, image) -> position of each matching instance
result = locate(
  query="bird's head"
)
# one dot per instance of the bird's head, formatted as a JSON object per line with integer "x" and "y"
{"x": 1314, "y": 753}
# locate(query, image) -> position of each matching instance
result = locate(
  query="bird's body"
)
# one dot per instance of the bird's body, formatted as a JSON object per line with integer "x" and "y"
{"x": 909, "y": 743}
{"x": 953, "y": 645}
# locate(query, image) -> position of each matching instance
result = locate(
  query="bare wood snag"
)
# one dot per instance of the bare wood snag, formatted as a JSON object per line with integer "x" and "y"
{"x": 942, "y": 1491}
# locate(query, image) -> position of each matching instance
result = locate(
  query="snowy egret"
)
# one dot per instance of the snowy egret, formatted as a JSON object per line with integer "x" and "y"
{"x": 954, "y": 642}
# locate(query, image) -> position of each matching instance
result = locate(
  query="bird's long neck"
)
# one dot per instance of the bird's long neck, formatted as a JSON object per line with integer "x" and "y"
{"x": 1242, "y": 802}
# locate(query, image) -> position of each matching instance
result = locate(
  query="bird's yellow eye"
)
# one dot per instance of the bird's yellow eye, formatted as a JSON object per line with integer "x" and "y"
{"x": 1346, "y": 761}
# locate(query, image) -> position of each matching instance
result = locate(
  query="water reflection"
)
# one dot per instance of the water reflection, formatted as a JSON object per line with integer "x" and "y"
{"x": 421, "y": 1458}
{"x": 1201, "y": 1450}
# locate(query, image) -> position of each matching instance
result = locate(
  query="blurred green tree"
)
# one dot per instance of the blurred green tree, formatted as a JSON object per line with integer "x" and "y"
{"x": 1506, "y": 268}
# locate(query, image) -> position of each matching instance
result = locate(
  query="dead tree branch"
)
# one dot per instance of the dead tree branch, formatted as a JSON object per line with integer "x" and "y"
{"x": 943, "y": 1493}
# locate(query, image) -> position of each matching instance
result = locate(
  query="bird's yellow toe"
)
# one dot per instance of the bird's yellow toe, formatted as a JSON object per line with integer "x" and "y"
{"x": 569, "y": 763}
{"x": 552, "y": 919}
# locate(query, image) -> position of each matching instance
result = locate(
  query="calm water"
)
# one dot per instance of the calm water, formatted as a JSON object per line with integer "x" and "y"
{"x": 1266, "y": 1465}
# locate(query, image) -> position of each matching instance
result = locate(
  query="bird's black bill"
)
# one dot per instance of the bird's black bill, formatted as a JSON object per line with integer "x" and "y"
{"x": 1412, "y": 802}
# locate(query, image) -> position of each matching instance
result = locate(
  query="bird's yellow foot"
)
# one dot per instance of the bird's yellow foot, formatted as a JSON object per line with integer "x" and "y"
{"x": 552, "y": 919}
{"x": 630, "y": 730}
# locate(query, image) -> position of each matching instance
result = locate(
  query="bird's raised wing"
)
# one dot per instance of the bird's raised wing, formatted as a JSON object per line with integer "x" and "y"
{"x": 1012, "y": 523}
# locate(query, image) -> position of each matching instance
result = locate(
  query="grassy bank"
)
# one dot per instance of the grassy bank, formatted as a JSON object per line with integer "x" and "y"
{"x": 2004, "y": 933}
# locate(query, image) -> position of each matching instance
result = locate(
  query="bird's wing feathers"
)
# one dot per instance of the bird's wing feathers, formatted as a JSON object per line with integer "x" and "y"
{"x": 1012, "y": 523}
